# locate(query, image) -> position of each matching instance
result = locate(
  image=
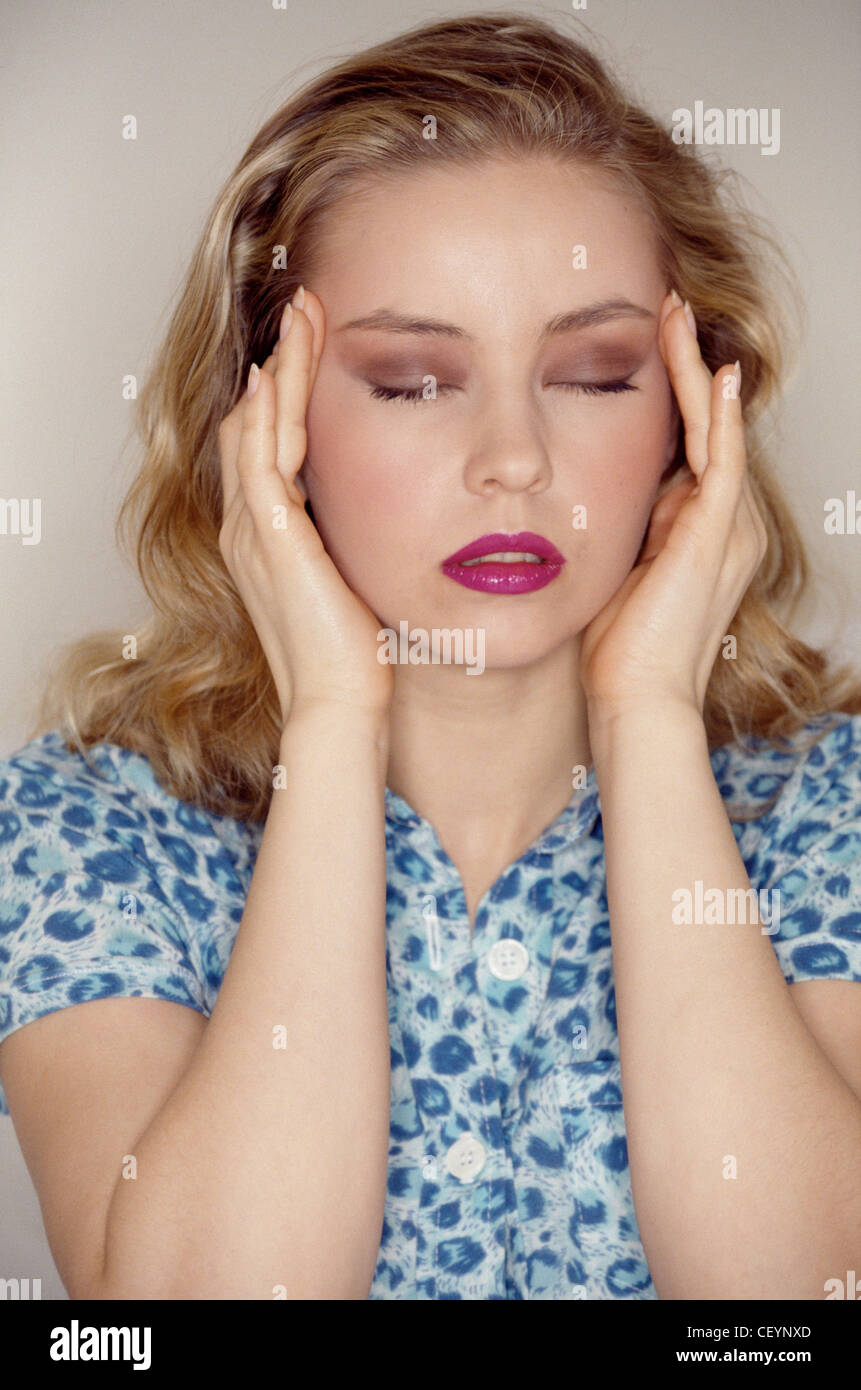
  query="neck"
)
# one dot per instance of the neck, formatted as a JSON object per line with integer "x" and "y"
{"x": 488, "y": 759}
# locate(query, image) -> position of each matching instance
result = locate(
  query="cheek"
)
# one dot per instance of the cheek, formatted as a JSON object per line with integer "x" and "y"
{"x": 614, "y": 474}
{"x": 616, "y": 459}
{"x": 363, "y": 490}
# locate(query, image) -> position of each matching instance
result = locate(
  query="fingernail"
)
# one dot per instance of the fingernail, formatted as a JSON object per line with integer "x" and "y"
{"x": 299, "y": 297}
{"x": 676, "y": 299}
{"x": 286, "y": 320}
{"x": 253, "y": 379}
{"x": 738, "y": 376}
{"x": 691, "y": 321}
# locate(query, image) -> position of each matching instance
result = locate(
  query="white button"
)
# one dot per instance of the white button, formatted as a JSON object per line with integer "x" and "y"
{"x": 465, "y": 1158}
{"x": 508, "y": 959}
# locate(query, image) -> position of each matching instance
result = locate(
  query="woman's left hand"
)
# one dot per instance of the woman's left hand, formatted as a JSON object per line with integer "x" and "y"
{"x": 657, "y": 639}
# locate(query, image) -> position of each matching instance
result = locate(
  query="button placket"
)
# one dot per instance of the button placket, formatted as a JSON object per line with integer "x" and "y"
{"x": 456, "y": 1168}
{"x": 464, "y": 1159}
{"x": 561, "y": 1035}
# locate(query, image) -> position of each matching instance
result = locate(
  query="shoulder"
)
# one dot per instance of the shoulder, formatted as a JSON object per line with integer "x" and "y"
{"x": 808, "y": 787}
{"x": 109, "y": 885}
{"x": 104, "y": 812}
{"x": 805, "y": 849}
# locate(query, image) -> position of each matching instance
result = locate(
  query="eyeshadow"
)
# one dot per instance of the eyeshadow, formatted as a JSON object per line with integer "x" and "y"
{"x": 619, "y": 361}
{"x": 583, "y": 353}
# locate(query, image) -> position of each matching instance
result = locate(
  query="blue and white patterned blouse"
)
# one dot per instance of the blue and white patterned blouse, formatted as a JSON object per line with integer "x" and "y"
{"x": 508, "y": 1166}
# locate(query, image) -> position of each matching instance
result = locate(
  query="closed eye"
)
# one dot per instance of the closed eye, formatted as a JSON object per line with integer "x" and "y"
{"x": 595, "y": 388}
{"x": 405, "y": 393}
{"x": 592, "y": 388}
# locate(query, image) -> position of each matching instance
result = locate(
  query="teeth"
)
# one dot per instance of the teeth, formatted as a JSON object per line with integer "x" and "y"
{"x": 506, "y": 555}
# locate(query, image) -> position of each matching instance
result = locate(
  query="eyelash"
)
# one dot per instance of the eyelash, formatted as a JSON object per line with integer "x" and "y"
{"x": 393, "y": 393}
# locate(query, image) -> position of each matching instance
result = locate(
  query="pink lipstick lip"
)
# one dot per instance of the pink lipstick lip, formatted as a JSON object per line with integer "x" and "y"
{"x": 505, "y": 576}
{"x": 525, "y": 541}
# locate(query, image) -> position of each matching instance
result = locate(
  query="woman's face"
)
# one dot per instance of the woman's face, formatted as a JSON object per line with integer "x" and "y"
{"x": 488, "y": 259}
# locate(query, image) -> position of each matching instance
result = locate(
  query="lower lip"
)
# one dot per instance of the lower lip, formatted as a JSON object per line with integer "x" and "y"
{"x": 504, "y": 577}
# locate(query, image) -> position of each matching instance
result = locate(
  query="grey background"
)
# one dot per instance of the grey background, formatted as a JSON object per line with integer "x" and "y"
{"x": 99, "y": 231}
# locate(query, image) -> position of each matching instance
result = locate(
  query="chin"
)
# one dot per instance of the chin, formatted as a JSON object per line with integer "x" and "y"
{"x": 510, "y": 651}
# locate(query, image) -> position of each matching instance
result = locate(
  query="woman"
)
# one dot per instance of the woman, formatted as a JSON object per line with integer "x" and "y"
{"x": 523, "y": 986}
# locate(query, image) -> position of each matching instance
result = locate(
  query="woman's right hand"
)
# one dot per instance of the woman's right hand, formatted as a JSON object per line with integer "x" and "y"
{"x": 319, "y": 637}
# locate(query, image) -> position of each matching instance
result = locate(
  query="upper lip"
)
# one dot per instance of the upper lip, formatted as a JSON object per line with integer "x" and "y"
{"x": 525, "y": 541}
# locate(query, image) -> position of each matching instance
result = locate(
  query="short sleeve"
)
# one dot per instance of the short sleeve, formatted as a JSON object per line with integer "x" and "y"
{"x": 810, "y": 856}
{"x": 83, "y": 911}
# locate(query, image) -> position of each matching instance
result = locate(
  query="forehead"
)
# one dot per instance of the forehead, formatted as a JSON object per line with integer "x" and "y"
{"x": 528, "y": 221}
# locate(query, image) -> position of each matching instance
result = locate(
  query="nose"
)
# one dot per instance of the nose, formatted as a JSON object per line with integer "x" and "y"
{"x": 508, "y": 450}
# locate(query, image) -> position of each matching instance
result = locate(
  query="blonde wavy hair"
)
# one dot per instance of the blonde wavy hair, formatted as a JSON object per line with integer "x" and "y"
{"x": 199, "y": 700}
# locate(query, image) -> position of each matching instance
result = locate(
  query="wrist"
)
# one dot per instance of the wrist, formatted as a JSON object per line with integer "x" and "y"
{"x": 655, "y": 721}
{"x": 333, "y": 719}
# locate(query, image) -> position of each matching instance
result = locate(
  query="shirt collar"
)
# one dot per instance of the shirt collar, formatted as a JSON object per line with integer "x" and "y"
{"x": 576, "y": 819}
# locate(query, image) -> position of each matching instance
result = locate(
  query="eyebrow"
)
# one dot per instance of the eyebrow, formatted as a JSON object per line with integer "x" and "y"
{"x": 603, "y": 311}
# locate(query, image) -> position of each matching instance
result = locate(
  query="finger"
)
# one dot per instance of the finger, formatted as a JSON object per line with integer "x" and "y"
{"x": 312, "y": 308}
{"x": 727, "y": 492}
{"x": 229, "y": 435}
{"x": 751, "y": 494}
{"x": 691, "y": 382}
{"x": 230, "y": 429}
{"x": 721, "y": 488}
{"x": 283, "y": 370}
{"x": 749, "y": 541}
{"x": 297, "y": 362}
{"x": 756, "y": 515}
{"x": 228, "y": 444}
{"x": 262, "y": 485}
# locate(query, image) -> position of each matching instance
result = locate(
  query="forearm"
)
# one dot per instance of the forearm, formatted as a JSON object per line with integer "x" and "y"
{"x": 267, "y": 1165}
{"x": 717, "y": 1063}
